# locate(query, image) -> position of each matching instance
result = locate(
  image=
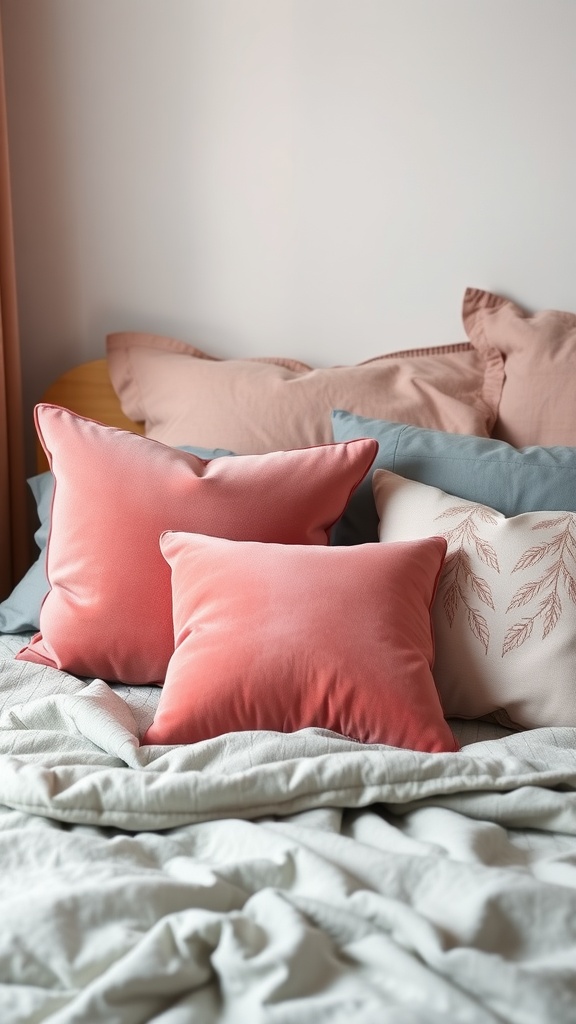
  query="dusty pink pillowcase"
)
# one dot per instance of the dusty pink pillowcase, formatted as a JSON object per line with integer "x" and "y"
{"x": 537, "y": 403}
{"x": 108, "y": 612}
{"x": 282, "y": 638}
{"x": 256, "y": 405}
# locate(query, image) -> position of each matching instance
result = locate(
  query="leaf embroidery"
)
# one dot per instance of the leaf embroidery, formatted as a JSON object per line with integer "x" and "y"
{"x": 517, "y": 635}
{"x": 450, "y": 601}
{"x": 547, "y": 524}
{"x": 487, "y": 553}
{"x": 526, "y": 594}
{"x": 552, "y": 610}
{"x": 486, "y": 515}
{"x": 482, "y": 590}
{"x": 454, "y": 510}
{"x": 458, "y": 577}
{"x": 570, "y": 587}
{"x": 479, "y": 627}
{"x": 536, "y": 554}
{"x": 559, "y": 572}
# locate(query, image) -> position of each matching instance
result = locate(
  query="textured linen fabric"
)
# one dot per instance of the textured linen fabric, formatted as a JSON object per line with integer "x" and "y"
{"x": 537, "y": 402}
{"x": 262, "y": 876}
{"x": 505, "y": 611}
{"x": 511, "y": 480}
{"x": 108, "y": 612}
{"x": 287, "y": 637}
{"x": 256, "y": 405}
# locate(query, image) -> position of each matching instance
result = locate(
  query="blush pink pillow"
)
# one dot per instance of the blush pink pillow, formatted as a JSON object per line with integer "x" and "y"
{"x": 537, "y": 403}
{"x": 184, "y": 396}
{"x": 281, "y": 638}
{"x": 108, "y": 612}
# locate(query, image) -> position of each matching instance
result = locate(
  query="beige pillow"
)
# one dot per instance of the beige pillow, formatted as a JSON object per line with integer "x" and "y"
{"x": 253, "y": 406}
{"x": 504, "y": 615}
{"x": 537, "y": 404}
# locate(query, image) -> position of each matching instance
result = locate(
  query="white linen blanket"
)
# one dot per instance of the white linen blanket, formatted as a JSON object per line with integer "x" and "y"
{"x": 262, "y": 877}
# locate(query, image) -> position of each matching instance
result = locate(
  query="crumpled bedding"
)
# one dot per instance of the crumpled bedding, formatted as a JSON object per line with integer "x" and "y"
{"x": 264, "y": 877}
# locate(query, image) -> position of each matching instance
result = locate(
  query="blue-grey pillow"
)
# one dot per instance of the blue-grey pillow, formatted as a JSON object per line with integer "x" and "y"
{"x": 20, "y": 612}
{"x": 482, "y": 469}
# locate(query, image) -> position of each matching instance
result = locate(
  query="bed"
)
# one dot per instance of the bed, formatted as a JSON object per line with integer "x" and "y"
{"x": 231, "y": 788}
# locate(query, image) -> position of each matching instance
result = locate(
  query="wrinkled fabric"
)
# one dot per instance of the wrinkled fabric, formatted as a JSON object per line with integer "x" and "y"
{"x": 277, "y": 878}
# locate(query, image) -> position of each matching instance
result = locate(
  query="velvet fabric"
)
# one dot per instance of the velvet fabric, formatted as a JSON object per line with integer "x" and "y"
{"x": 108, "y": 612}
{"x": 288, "y": 637}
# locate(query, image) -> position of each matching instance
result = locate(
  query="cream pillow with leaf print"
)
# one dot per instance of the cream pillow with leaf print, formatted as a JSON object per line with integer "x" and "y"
{"x": 504, "y": 614}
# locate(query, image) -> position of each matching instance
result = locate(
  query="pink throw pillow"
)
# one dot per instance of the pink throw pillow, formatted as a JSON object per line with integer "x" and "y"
{"x": 184, "y": 396}
{"x": 108, "y": 612}
{"x": 537, "y": 403}
{"x": 281, "y": 638}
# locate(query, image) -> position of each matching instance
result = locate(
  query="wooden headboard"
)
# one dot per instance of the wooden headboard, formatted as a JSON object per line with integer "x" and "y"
{"x": 86, "y": 389}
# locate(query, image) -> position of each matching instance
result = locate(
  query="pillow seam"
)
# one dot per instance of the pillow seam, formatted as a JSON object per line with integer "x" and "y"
{"x": 395, "y": 453}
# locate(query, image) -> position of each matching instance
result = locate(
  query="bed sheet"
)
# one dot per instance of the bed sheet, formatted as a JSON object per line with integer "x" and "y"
{"x": 265, "y": 877}
{"x": 143, "y": 700}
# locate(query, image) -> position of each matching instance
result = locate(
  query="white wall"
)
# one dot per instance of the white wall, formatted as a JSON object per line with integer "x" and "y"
{"x": 316, "y": 178}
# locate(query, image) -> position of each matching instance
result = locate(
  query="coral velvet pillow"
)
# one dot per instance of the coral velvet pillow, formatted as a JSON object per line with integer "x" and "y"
{"x": 505, "y": 612}
{"x": 260, "y": 405}
{"x": 537, "y": 403}
{"x": 20, "y": 612}
{"x": 279, "y": 637}
{"x": 108, "y": 612}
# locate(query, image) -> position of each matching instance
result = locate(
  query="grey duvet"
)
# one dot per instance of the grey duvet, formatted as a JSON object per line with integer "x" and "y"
{"x": 263, "y": 877}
